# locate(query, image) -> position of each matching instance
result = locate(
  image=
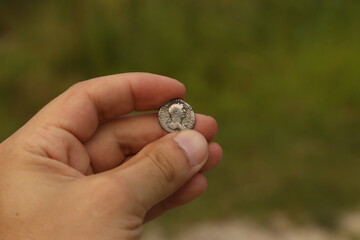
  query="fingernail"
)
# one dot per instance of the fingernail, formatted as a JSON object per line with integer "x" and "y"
{"x": 194, "y": 145}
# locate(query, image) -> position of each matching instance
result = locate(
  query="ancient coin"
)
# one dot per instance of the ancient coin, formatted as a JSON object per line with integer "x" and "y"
{"x": 176, "y": 115}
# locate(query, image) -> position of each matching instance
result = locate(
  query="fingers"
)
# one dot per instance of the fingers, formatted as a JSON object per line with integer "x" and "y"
{"x": 116, "y": 140}
{"x": 164, "y": 166}
{"x": 83, "y": 106}
{"x": 188, "y": 192}
{"x": 215, "y": 156}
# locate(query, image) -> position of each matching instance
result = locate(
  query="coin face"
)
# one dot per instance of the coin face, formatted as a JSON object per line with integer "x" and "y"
{"x": 176, "y": 115}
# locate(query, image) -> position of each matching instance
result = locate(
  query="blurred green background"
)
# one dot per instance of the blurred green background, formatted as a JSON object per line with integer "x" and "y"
{"x": 282, "y": 77}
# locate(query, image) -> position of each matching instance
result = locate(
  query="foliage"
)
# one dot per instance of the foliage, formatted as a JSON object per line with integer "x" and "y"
{"x": 281, "y": 77}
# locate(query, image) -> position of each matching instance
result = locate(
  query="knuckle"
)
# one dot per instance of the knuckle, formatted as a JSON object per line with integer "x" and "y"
{"x": 164, "y": 165}
{"x": 79, "y": 88}
{"x": 105, "y": 189}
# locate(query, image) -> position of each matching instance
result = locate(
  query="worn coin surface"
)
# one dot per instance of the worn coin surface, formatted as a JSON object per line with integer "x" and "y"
{"x": 176, "y": 115}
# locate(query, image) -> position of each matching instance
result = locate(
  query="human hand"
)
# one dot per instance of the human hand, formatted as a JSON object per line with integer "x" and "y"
{"x": 80, "y": 169}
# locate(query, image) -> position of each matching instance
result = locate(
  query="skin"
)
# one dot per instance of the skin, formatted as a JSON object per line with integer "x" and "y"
{"x": 82, "y": 168}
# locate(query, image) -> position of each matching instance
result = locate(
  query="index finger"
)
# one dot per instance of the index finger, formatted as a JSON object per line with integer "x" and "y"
{"x": 80, "y": 109}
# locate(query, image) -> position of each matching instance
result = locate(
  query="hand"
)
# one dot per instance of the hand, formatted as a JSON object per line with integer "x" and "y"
{"x": 81, "y": 169}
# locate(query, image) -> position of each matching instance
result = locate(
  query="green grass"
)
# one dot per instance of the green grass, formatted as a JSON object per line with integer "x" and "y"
{"x": 281, "y": 77}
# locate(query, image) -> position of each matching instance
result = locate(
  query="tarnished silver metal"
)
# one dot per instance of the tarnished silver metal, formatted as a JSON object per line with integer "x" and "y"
{"x": 176, "y": 115}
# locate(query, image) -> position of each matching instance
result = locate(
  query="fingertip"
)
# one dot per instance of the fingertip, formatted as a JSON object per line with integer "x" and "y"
{"x": 170, "y": 89}
{"x": 179, "y": 85}
{"x": 215, "y": 157}
{"x": 194, "y": 145}
{"x": 200, "y": 180}
{"x": 216, "y": 149}
{"x": 206, "y": 125}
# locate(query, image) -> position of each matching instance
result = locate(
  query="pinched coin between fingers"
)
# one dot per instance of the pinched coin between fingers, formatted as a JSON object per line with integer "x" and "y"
{"x": 176, "y": 115}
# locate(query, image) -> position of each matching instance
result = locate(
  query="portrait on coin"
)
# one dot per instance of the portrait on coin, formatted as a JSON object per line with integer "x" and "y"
{"x": 177, "y": 113}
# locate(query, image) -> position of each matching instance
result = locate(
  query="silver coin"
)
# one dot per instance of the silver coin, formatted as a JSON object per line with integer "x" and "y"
{"x": 176, "y": 115}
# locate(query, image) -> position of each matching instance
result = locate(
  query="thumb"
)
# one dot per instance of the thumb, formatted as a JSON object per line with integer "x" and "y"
{"x": 162, "y": 167}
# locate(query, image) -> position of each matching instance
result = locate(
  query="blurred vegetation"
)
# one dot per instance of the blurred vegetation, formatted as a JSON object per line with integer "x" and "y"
{"x": 281, "y": 77}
